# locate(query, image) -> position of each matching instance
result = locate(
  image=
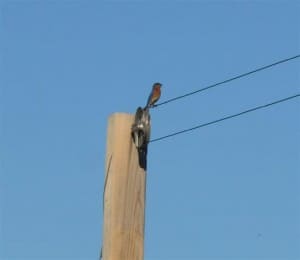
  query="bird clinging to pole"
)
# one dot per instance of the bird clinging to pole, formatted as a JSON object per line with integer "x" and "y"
{"x": 154, "y": 95}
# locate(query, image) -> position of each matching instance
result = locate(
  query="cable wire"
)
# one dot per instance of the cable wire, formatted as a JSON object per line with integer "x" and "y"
{"x": 228, "y": 80}
{"x": 225, "y": 118}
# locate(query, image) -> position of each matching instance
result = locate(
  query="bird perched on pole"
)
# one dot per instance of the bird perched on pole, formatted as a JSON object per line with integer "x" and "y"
{"x": 154, "y": 95}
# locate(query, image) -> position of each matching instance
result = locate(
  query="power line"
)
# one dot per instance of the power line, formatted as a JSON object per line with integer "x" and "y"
{"x": 228, "y": 80}
{"x": 225, "y": 118}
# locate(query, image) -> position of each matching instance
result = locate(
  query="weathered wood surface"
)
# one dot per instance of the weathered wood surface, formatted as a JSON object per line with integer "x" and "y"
{"x": 124, "y": 193}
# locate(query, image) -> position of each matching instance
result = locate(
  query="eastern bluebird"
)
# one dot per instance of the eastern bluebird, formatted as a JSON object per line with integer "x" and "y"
{"x": 154, "y": 95}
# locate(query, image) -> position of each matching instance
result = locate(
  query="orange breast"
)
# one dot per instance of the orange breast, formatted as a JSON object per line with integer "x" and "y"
{"x": 157, "y": 91}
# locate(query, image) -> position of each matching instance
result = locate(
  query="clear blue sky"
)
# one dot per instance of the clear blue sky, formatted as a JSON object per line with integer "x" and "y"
{"x": 227, "y": 191}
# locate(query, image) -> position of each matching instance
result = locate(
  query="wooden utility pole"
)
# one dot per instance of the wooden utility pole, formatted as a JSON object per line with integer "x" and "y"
{"x": 124, "y": 193}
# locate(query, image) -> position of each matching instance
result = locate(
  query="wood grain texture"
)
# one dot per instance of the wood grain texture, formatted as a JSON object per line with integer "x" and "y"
{"x": 124, "y": 194}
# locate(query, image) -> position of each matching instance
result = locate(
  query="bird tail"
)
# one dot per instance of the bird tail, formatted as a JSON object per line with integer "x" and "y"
{"x": 148, "y": 105}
